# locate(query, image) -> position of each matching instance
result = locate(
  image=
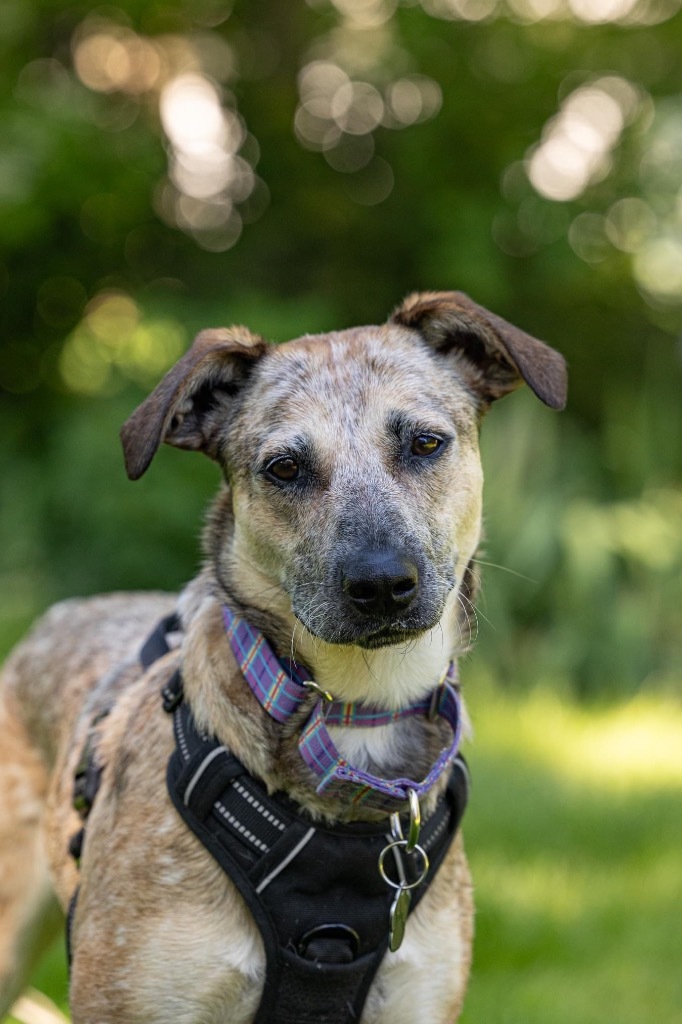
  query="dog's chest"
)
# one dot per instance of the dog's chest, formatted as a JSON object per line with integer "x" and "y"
{"x": 389, "y": 750}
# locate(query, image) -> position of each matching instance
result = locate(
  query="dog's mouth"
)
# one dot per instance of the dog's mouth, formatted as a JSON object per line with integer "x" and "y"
{"x": 388, "y": 636}
{"x": 368, "y": 634}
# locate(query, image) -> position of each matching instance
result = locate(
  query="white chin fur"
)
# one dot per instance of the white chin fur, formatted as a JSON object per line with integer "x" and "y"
{"x": 390, "y": 677}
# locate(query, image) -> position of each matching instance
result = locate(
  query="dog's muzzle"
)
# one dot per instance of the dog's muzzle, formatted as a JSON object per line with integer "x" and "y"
{"x": 375, "y": 596}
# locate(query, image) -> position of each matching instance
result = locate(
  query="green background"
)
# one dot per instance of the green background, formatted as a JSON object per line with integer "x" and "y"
{"x": 528, "y": 152}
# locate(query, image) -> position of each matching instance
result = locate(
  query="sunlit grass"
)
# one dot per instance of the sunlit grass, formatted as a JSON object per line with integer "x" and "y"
{"x": 35, "y": 1008}
{"x": 573, "y": 833}
{"x": 635, "y": 744}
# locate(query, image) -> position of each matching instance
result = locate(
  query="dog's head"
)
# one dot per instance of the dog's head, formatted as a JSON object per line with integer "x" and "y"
{"x": 351, "y": 458}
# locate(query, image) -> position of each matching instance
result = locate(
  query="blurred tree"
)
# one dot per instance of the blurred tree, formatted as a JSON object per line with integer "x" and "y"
{"x": 303, "y": 165}
{"x": 528, "y": 151}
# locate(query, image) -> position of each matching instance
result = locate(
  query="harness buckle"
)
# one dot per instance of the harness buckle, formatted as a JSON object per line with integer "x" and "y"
{"x": 172, "y": 694}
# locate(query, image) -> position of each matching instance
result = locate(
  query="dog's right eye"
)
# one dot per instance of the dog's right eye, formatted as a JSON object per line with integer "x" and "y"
{"x": 285, "y": 469}
{"x": 425, "y": 445}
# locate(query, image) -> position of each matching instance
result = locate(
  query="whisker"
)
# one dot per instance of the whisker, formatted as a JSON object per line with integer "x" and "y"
{"x": 504, "y": 568}
{"x": 476, "y": 613}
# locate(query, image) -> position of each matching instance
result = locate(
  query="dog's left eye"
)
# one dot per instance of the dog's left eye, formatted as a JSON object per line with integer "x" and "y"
{"x": 285, "y": 468}
{"x": 424, "y": 445}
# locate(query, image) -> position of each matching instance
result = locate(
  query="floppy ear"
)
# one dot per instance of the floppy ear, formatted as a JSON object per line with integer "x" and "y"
{"x": 189, "y": 403}
{"x": 495, "y": 356}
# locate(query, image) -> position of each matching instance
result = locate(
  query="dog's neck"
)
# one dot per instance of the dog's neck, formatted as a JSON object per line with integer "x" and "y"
{"x": 388, "y": 678}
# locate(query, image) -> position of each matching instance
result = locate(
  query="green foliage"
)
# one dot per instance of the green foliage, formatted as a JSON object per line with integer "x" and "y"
{"x": 591, "y": 601}
{"x": 525, "y": 152}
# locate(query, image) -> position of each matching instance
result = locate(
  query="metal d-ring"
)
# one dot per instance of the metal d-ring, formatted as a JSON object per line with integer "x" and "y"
{"x": 415, "y": 821}
{"x": 415, "y": 825}
{"x": 315, "y": 688}
{"x": 402, "y": 843}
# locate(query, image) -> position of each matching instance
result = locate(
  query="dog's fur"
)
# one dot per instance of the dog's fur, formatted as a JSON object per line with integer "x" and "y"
{"x": 160, "y": 934}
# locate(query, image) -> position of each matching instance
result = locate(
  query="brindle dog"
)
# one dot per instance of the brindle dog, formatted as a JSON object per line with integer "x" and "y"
{"x": 345, "y": 530}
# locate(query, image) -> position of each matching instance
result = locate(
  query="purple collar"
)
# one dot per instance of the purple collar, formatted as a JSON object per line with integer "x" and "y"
{"x": 281, "y": 692}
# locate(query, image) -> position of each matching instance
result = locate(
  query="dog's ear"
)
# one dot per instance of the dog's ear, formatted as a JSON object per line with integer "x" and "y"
{"x": 184, "y": 410}
{"x": 495, "y": 356}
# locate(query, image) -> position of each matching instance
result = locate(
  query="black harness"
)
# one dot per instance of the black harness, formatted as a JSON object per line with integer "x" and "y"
{"x": 315, "y": 892}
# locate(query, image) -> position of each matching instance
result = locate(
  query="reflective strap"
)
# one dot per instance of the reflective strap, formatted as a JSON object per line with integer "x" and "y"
{"x": 200, "y": 771}
{"x": 287, "y": 860}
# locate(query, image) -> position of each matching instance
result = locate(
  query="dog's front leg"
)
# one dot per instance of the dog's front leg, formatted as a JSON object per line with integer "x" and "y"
{"x": 186, "y": 961}
{"x": 159, "y": 934}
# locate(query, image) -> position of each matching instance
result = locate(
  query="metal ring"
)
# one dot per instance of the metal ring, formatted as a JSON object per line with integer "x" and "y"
{"x": 402, "y": 885}
{"x": 325, "y": 694}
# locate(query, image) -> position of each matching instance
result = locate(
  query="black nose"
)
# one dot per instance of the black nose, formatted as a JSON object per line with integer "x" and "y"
{"x": 380, "y": 582}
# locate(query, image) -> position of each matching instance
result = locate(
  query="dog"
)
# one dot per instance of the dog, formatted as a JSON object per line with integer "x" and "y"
{"x": 344, "y": 533}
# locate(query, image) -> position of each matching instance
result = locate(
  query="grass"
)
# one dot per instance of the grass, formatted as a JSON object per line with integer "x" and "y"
{"x": 574, "y": 837}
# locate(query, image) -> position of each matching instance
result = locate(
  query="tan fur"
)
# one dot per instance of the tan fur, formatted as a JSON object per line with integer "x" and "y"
{"x": 159, "y": 932}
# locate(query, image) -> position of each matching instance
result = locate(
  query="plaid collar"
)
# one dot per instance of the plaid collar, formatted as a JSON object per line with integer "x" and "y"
{"x": 282, "y": 687}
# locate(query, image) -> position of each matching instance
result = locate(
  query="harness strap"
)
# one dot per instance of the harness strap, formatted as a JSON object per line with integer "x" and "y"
{"x": 156, "y": 645}
{"x": 315, "y": 892}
